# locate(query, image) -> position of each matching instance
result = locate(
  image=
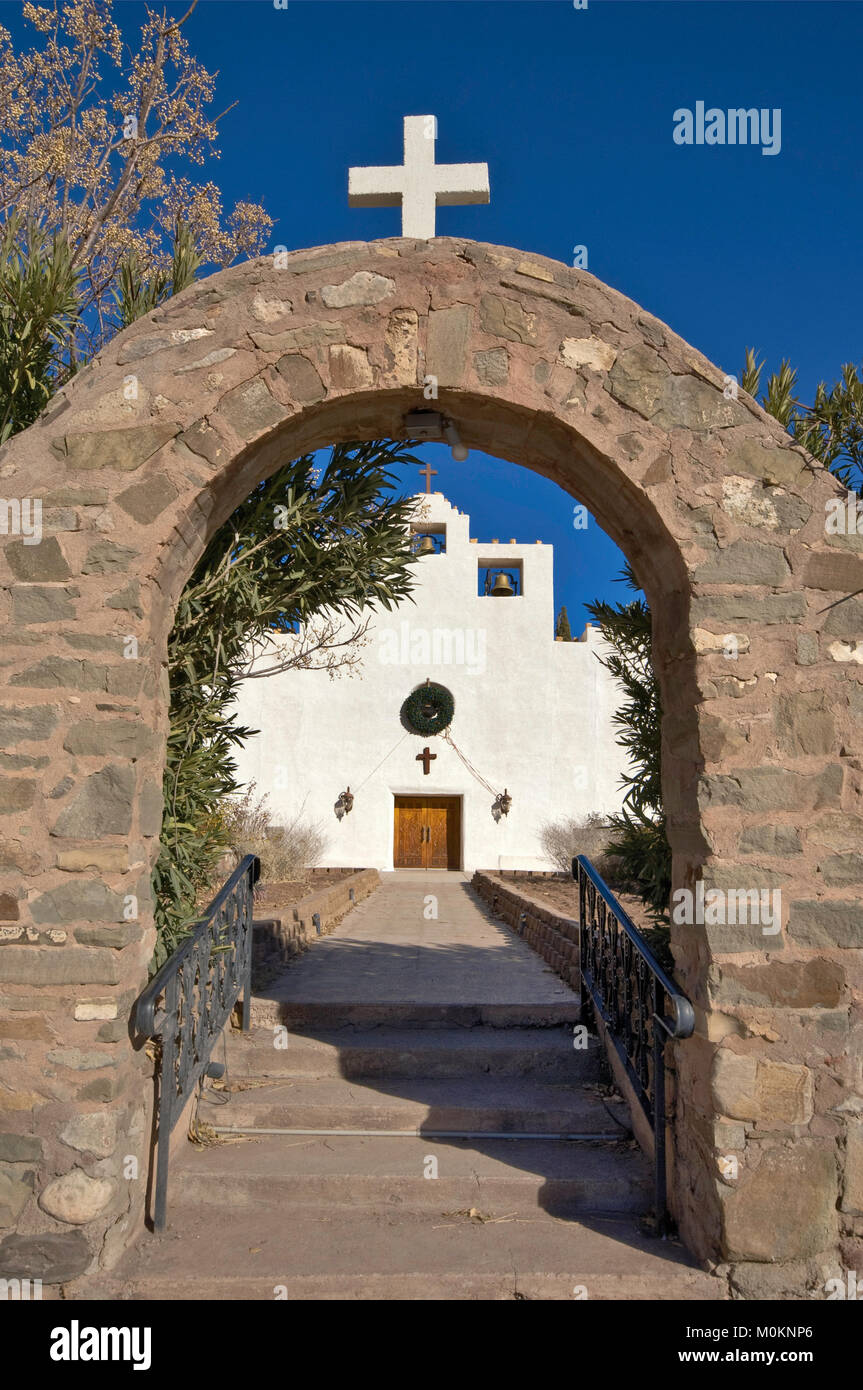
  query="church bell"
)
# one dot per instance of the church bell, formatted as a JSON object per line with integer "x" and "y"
{"x": 426, "y": 546}
{"x": 502, "y": 586}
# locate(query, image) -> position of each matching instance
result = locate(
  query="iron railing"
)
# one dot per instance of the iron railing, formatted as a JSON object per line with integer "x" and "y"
{"x": 623, "y": 983}
{"x": 187, "y": 1004}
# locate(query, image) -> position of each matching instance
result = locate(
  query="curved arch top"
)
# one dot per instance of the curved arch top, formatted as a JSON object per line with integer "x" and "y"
{"x": 148, "y": 450}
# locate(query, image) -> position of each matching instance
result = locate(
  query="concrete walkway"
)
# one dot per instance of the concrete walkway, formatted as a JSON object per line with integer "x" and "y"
{"x": 390, "y": 948}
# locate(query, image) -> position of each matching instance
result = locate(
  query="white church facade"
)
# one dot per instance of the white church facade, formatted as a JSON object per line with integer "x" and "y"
{"x": 521, "y": 736}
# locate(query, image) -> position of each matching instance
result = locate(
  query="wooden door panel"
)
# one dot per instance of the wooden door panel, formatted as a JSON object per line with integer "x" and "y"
{"x": 427, "y": 832}
{"x": 437, "y": 818}
{"x": 409, "y": 847}
{"x": 454, "y": 834}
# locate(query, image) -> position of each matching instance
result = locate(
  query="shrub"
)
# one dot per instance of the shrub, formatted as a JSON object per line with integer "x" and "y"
{"x": 562, "y": 840}
{"x": 285, "y": 851}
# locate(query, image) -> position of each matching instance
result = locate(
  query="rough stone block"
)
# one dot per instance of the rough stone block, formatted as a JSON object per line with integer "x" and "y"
{"x": 446, "y": 349}
{"x": 42, "y": 605}
{"x": 809, "y": 984}
{"x": 146, "y": 500}
{"x": 116, "y": 936}
{"x": 827, "y": 924}
{"x": 127, "y": 599}
{"x": 841, "y": 869}
{"x": 124, "y": 449}
{"x": 637, "y": 379}
{"x": 773, "y": 789}
{"x": 402, "y": 345}
{"x": 70, "y": 965}
{"x": 31, "y": 1027}
{"x": 301, "y": 377}
{"x": 770, "y": 509}
{"x": 20, "y": 1148}
{"x": 16, "y": 794}
{"x": 115, "y": 737}
{"x": 506, "y": 318}
{"x": 76, "y": 1198}
{"x": 103, "y": 806}
{"x": 95, "y": 1133}
{"x": 251, "y": 408}
{"x": 76, "y": 1059}
{"x": 764, "y": 609}
{"x": 71, "y": 902}
{"x": 765, "y": 461}
{"x": 112, "y": 859}
{"x": 203, "y": 440}
{"x": 35, "y": 563}
{"x": 16, "y": 1189}
{"x": 734, "y": 1084}
{"x": 93, "y": 1010}
{"x": 587, "y": 352}
{"x": 269, "y": 310}
{"x": 309, "y": 335}
{"x": 691, "y": 404}
{"x": 845, "y": 619}
{"x": 363, "y": 287}
{"x": 852, "y": 1187}
{"x": 744, "y": 562}
{"x": 150, "y": 809}
{"x": 773, "y": 840}
{"x": 783, "y": 1095}
{"x": 785, "y": 1209}
{"x": 53, "y": 1257}
{"x": 838, "y": 830}
{"x": 807, "y": 649}
{"x": 350, "y": 369}
{"x": 492, "y": 367}
{"x": 27, "y": 723}
{"x": 105, "y": 557}
{"x": 146, "y": 345}
{"x": 804, "y": 723}
{"x": 836, "y": 572}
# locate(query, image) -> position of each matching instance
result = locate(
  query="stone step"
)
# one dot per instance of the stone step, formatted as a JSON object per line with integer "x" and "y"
{"x": 496, "y": 1176}
{"x": 357, "y": 1053}
{"x": 300, "y": 1253}
{"x": 500, "y": 1105}
{"x": 332, "y": 1014}
{"x": 646, "y": 1286}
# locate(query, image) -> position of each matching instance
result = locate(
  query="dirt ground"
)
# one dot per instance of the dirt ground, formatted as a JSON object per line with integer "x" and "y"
{"x": 287, "y": 892}
{"x": 562, "y": 894}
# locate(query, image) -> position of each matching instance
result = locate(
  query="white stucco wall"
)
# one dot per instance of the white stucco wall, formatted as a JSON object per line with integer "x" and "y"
{"x": 531, "y": 714}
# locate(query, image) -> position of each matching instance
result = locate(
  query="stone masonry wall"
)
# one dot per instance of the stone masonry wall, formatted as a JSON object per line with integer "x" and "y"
{"x": 757, "y": 647}
{"x": 277, "y": 940}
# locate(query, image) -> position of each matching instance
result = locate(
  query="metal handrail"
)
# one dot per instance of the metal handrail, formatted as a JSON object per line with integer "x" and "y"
{"x": 190, "y": 999}
{"x": 623, "y": 983}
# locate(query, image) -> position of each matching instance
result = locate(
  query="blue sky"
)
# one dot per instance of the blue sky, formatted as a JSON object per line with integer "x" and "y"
{"x": 572, "y": 110}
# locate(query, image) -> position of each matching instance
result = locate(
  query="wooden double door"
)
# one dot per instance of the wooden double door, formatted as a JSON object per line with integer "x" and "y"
{"x": 427, "y": 832}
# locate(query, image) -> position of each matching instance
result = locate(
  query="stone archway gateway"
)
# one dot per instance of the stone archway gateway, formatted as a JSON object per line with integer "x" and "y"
{"x": 149, "y": 449}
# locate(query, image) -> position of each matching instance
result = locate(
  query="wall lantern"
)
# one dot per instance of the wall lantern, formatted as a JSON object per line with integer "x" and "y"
{"x": 424, "y": 425}
{"x": 344, "y": 803}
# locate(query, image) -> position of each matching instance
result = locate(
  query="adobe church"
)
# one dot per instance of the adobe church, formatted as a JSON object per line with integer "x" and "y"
{"x": 465, "y": 729}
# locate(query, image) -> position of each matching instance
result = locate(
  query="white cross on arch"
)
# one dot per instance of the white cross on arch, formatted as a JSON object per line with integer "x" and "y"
{"x": 419, "y": 185}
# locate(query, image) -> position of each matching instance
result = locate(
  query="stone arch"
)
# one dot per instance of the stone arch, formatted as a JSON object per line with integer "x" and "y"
{"x": 148, "y": 450}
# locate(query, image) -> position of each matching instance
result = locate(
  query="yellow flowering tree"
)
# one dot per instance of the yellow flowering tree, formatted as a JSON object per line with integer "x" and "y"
{"x": 96, "y": 136}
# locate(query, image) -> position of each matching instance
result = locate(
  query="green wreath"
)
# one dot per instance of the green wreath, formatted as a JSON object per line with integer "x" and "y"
{"x": 429, "y": 709}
